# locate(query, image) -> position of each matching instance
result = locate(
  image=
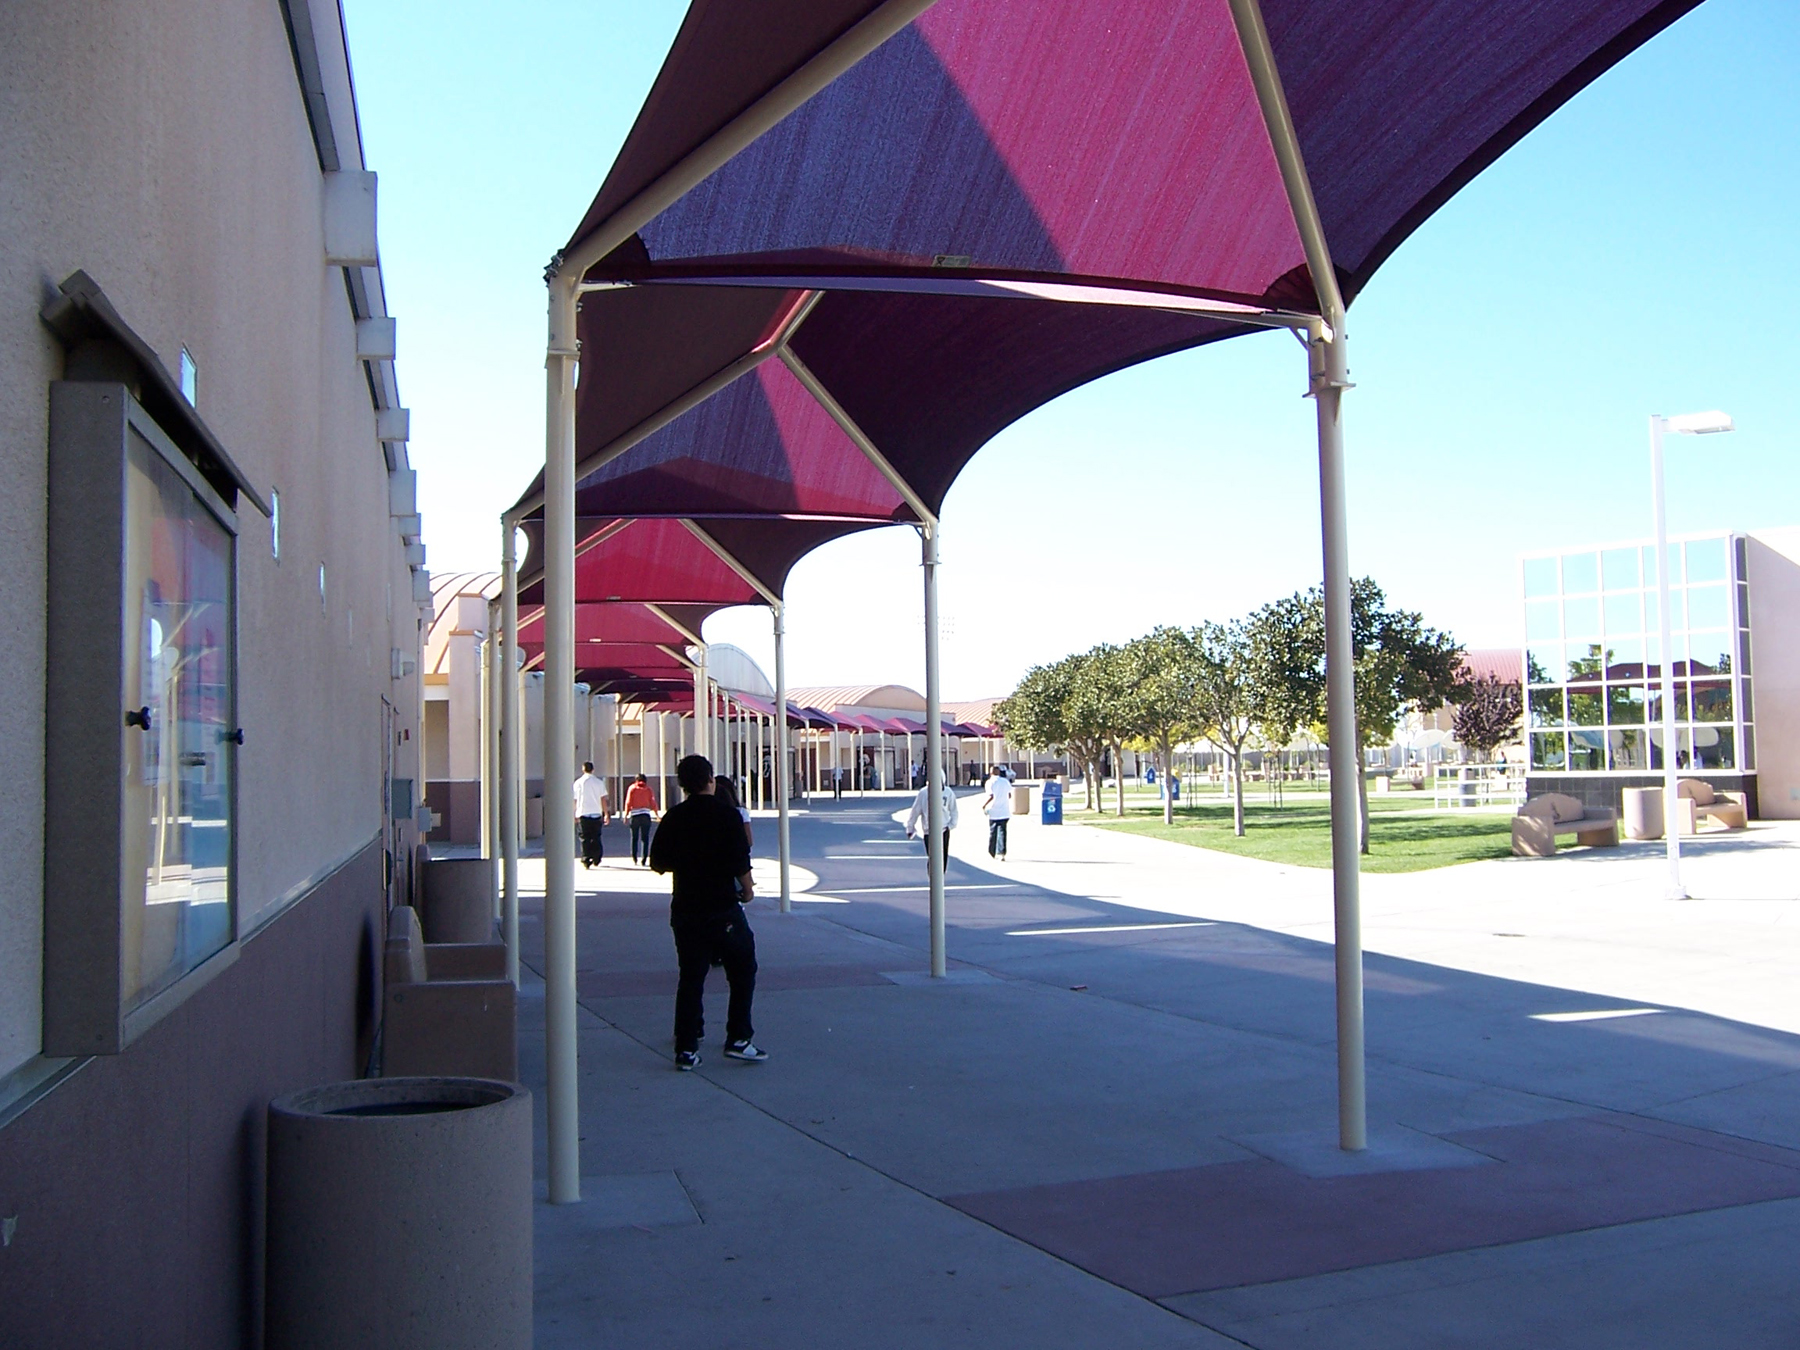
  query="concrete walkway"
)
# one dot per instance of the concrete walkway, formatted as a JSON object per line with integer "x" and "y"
{"x": 1113, "y": 1124}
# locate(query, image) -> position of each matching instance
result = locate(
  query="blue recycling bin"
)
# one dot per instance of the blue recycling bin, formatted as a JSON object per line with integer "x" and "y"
{"x": 1150, "y": 774}
{"x": 1174, "y": 787}
{"x": 1050, "y": 803}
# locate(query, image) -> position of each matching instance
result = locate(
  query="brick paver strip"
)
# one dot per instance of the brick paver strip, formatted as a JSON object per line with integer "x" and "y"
{"x": 1165, "y": 1233}
{"x": 769, "y": 979}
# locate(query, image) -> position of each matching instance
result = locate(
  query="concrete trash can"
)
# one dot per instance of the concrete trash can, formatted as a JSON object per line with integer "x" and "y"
{"x": 460, "y": 899}
{"x": 1643, "y": 813}
{"x": 1021, "y": 800}
{"x": 399, "y": 1216}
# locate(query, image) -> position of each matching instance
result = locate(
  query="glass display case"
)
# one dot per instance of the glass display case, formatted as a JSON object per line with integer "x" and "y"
{"x": 141, "y": 696}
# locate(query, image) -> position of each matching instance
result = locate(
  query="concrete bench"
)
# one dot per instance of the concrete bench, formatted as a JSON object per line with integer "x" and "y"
{"x": 1699, "y": 803}
{"x": 448, "y": 1008}
{"x": 1543, "y": 820}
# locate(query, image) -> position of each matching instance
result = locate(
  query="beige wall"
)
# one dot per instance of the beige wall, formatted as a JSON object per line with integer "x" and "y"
{"x": 1774, "y": 573}
{"x": 164, "y": 148}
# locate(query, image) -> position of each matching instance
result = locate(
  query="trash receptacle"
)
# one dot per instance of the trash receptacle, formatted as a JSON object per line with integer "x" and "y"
{"x": 399, "y": 1216}
{"x": 1174, "y": 787}
{"x": 1050, "y": 801}
{"x": 1021, "y": 800}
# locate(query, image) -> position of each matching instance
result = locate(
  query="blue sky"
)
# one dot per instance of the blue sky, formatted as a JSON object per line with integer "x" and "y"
{"x": 1630, "y": 256}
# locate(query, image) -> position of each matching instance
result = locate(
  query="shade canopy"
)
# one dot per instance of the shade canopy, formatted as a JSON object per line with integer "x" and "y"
{"x": 994, "y": 205}
{"x": 1116, "y": 142}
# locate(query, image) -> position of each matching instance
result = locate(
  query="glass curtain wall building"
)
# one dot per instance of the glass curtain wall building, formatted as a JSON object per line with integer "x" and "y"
{"x": 1594, "y": 665}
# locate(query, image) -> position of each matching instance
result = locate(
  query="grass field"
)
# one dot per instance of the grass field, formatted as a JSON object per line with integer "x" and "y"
{"x": 1402, "y": 837}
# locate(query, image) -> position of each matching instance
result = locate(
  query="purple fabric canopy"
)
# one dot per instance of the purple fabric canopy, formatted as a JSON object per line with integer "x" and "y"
{"x": 997, "y": 204}
{"x": 1079, "y": 138}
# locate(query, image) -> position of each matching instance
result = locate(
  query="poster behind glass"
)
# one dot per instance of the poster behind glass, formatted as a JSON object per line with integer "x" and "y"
{"x": 178, "y": 749}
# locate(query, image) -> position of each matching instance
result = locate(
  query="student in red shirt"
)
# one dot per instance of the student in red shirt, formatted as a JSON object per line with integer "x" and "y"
{"x": 640, "y": 810}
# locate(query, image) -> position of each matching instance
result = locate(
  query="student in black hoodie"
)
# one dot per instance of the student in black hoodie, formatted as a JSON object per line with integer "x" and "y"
{"x": 703, "y": 842}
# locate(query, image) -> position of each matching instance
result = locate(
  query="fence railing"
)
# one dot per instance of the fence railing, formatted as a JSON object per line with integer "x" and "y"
{"x": 1456, "y": 786}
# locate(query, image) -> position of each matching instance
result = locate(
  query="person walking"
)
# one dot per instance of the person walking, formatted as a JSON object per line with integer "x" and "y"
{"x": 727, "y": 790}
{"x": 640, "y": 814}
{"x": 704, "y": 842}
{"x": 918, "y": 820}
{"x": 592, "y": 810}
{"x": 997, "y": 806}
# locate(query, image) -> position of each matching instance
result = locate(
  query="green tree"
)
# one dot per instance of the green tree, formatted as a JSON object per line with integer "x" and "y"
{"x": 1401, "y": 664}
{"x": 1050, "y": 711}
{"x": 1163, "y": 671}
{"x": 1101, "y": 705}
{"x": 1286, "y": 642}
{"x": 1226, "y": 703}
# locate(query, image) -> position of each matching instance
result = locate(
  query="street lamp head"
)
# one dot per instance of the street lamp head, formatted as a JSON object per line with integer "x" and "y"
{"x": 1700, "y": 423}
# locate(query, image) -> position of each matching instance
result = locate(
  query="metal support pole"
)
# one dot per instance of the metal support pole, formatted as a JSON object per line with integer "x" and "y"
{"x": 778, "y": 779}
{"x": 1665, "y": 634}
{"x": 562, "y": 1101}
{"x": 662, "y": 760}
{"x": 934, "y": 750}
{"x": 511, "y": 741}
{"x": 1329, "y": 364}
{"x": 1330, "y": 377}
{"x": 702, "y": 732}
{"x": 490, "y": 734}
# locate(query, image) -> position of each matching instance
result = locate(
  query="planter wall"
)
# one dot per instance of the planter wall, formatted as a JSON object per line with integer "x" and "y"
{"x": 459, "y": 899}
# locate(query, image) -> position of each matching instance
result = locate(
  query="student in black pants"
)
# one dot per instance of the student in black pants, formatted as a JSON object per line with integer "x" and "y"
{"x": 704, "y": 843}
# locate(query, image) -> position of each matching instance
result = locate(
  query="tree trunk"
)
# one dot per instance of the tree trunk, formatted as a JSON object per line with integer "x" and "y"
{"x": 1118, "y": 750}
{"x": 1362, "y": 801}
{"x": 1168, "y": 769}
{"x": 1237, "y": 797}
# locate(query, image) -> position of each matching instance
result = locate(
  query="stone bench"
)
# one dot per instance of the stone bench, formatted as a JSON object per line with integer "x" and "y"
{"x": 1699, "y": 803}
{"x": 1543, "y": 820}
{"x": 448, "y": 1009}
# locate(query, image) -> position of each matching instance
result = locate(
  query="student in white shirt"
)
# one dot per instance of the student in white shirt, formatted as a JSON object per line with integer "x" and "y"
{"x": 592, "y": 810}
{"x": 998, "y": 807}
{"x": 918, "y": 820}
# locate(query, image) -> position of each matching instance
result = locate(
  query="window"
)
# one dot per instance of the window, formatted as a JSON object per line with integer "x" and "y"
{"x": 190, "y": 378}
{"x": 1706, "y": 561}
{"x": 177, "y": 837}
{"x": 275, "y": 524}
{"x": 1594, "y": 658}
{"x": 1581, "y": 573}
{"x": 1619, "y": 569}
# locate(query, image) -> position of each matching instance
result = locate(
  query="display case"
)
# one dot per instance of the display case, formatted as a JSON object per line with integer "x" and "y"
{"x": 141, "y": 728}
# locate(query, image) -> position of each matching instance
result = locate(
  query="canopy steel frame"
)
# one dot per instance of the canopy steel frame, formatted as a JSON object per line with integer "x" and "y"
{"x": 777, "y": 610}
{"x": 511, "y": 748}
{"x": 736, "y": 135}
{"x": 1328, "y": 377}
{"x": 713, "y": 384}
{"x": 563, "y": 1107}
{"x": 929, "y": 529}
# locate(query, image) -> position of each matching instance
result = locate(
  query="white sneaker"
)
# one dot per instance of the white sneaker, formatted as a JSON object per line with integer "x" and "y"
{"x": 745, "y": 1051}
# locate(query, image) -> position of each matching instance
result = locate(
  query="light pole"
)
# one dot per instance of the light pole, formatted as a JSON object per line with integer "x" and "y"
{"x": 1684, "y": 424}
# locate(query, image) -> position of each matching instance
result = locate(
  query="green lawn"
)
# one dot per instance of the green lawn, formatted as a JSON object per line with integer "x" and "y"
{"x": 1402, "y": 838}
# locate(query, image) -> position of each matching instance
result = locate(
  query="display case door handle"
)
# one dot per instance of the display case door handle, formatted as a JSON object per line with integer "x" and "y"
{"x": 138, "y": 717}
